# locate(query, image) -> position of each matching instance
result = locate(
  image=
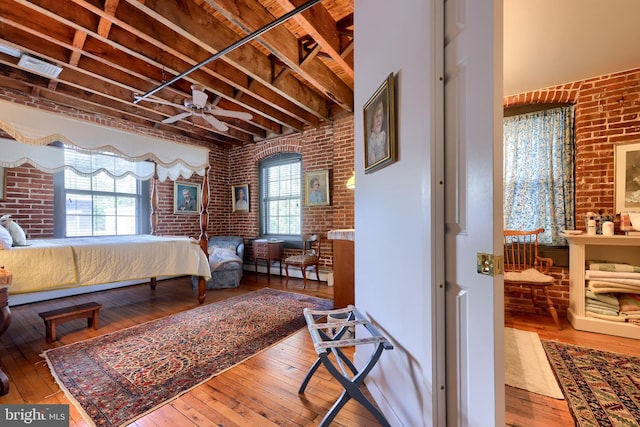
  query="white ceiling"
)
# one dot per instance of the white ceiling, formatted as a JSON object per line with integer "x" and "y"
{"x": 550, "y": 42}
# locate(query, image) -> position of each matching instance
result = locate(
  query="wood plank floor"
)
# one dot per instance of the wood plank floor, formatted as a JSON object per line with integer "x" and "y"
{"x": 261, "y": 391}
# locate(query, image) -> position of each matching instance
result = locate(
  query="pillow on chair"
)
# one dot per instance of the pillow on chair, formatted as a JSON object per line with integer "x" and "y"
{"x": 528, "y": 275}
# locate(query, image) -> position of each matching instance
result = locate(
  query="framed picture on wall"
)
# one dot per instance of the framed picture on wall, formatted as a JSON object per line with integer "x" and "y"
{"x": 316, "y": 186}
{"x": 186, "y": 198}
{"x": 379, "y": 128}
{"x": 3, "y": 183}
{"x": 240, "y": 198}
{"x": 627, "y": 177}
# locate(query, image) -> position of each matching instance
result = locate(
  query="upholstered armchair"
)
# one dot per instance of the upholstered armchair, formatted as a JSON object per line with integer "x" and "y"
{"x": 226, "y": 254}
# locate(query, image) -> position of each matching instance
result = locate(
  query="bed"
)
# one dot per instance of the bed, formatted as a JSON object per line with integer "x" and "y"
{"x": 74, "y": 263}
{"x": 51, "y": 264}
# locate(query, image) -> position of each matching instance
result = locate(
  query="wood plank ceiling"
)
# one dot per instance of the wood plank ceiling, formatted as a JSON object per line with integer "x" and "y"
{"x": 295, "y": 76}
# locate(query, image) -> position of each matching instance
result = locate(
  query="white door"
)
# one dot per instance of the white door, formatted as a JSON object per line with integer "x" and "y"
{"x": 473, "y": 198}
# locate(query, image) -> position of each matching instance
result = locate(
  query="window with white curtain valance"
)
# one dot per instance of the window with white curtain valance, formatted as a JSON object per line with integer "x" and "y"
{"x": 33, "y": 131}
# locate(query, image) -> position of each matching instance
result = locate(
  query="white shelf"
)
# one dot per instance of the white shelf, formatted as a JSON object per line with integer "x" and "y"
{"x": 616, "y": 248}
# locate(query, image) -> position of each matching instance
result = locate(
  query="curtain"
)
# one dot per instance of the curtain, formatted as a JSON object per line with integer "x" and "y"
{"x": 35, "y": 129}
{"x": 52, "y": 159}
{"x": 539, "y": 173}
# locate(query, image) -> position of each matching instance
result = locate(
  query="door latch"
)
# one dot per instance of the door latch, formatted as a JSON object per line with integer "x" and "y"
{"x": 490, "y": 264}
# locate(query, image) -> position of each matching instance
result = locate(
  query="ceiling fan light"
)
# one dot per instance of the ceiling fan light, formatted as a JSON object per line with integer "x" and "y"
{"x": 199, "y": 95}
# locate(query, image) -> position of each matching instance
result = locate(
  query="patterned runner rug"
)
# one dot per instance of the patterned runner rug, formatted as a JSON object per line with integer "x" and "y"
{"x": 119, "y": 377}
{"x": 602, "y": 388}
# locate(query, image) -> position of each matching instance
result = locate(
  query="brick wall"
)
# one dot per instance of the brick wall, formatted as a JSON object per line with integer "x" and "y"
{"x": 30, "y": 192}
{"x": 328, "y": 147}
{"x": 29, "y": 200}
{"x": 607, "y": 114}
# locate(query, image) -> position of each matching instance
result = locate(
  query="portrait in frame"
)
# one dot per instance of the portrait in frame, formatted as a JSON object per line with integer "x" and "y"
{"x": 3, "y": 183}
{"x": 240, "y": 198}
{"x": 186, "y": 198}
{"x": 627, "y": 177}
{"x": 379, "y": 128}
{"x": 316, "y": 186}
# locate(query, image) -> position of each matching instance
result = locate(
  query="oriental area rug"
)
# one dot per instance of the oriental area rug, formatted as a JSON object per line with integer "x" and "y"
{"x": 601, "y": 388}
{"x": 119, "y": 377}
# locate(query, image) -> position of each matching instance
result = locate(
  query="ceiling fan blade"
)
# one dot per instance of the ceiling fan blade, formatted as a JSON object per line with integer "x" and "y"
{"x": 215, "y": 122}
{"x": 177, "y": 117}
{"x": 229, "y": 113}
{"x": 199, "y": 96}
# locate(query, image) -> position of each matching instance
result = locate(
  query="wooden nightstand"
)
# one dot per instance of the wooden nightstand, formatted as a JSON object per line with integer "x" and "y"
{"x": 269, "y": 251}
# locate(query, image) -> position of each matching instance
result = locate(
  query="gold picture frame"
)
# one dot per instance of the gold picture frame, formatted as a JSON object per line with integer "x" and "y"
{"x": 380, "y": 145}
{"x": 627, "y": 177}
{"x": 240, "y": 198}
{"x": 3, "y": 183}
{"x": 316, "y": 185}
{"x": 186, "y": 198}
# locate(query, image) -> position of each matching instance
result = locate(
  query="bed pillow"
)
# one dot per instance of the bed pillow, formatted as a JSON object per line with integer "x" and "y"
{"x": 17, "y": 234}
{"x": 6, "y": 241}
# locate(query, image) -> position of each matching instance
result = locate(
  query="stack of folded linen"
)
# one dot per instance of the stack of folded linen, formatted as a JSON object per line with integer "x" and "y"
{"x": 604, "y": 306}
{"x": 629, "y": 306}
{"x": 603, "y": 277}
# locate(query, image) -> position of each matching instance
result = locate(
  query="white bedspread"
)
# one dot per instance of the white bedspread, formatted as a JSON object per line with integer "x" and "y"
{"x": 49, "y": 264}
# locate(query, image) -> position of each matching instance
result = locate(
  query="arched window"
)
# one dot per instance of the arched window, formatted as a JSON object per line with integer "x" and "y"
{"x": 281, "y": 196}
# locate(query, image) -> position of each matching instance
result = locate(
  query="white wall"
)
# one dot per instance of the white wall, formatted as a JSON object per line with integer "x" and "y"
{"x": 394, "y": 259}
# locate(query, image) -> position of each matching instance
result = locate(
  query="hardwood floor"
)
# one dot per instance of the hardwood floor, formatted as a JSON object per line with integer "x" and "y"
{"x": 261, "y": 391}
{"x": 525, "y": 409}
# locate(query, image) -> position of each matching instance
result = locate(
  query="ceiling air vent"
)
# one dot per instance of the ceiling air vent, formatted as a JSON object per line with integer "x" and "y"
{"x": 39, "y": 66}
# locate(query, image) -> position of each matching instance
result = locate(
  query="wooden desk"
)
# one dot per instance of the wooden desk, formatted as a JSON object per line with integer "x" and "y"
{"x": 269, "y": 251}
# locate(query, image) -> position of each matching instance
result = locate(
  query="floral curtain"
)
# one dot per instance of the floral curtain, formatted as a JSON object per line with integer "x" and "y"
{"x": 539, "y": 173}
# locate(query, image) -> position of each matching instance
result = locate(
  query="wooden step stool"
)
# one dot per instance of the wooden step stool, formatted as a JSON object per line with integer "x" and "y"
{"x": 55, "y": 317}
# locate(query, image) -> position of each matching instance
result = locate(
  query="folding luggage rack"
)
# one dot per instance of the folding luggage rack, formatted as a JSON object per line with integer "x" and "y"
{"x": 325, "y": 345}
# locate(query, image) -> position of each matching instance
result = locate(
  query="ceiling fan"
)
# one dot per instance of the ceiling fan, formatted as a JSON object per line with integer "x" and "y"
{"x": 198, "y": 106}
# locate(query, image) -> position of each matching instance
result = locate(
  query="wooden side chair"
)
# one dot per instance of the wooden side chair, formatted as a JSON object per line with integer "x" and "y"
{"x": 523, "y": 266}
{"x": 309, "y": 258}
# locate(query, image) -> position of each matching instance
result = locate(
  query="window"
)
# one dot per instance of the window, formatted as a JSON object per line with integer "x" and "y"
{"x": 280, "y": 195}
{"x": 539, "y": 173}
{"x": 99, "y": 204}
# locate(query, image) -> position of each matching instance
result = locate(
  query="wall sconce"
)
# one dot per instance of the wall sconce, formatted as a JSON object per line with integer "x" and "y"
{"x": 351, "y": 182}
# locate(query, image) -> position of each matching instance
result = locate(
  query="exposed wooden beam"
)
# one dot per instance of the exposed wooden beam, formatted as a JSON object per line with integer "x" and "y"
{"x": 321, "y": 26}
{"x": 250, "y": 15}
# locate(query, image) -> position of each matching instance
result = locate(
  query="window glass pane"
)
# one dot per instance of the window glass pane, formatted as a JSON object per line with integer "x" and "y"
{"x": 79, "y": 225}
{"x": 281, "y": 195}
{"x": 102, "y": 182}
{"x": 100, "y": 205}
{"x": 73, "y": 181}
{"x": 128, "y": 185}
